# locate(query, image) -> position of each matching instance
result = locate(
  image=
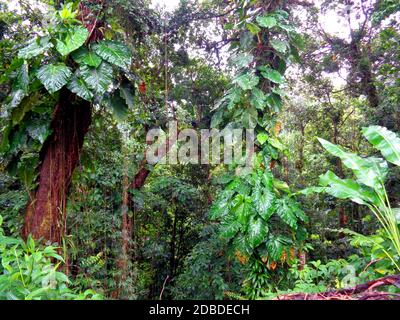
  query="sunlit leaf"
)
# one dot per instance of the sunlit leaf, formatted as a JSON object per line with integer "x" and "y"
{"x": 114, "y": 52}
{"x": 387, "y": 142}
{"x": 54, "y": 76}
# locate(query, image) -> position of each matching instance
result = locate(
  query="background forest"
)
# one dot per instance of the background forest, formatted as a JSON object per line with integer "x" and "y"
{"x": 83, "y": 215}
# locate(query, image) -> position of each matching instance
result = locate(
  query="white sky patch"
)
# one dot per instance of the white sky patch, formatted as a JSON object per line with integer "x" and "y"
{"x": 167, "y": 5}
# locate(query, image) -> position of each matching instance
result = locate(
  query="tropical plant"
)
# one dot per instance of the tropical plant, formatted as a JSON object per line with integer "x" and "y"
{"x": 27, "y": 272}
{"x": 368, "y": 187}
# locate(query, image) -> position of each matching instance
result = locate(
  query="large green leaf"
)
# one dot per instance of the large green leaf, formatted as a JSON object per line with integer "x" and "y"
{"x": 249, "y": 118}
{"x": 35, "y": 48}
{"x": 98, "y": 79}
{"x": 39, "y": 130}
{"x": 257, "y": 231}
{"x": 272, "y": 75}
{"x": 279, "y": 45}
{"x": 387, "y": 142}
{"x": 21, "y": 80}
{"x": 275, "y": 246}
{"x": 266, "y": 21}
{"x": 78, "y": 86}
{"x": 26, "y": 105}
{"x": 242, "y": 208}
{"x": 264, "y": 201}
{"x": 369, "y": 171}
{"x": 84, "y": 56}
{"x": 229, "y": 228}
{"x": 73, "y": 40}
{"x": 114, "y": 52}
{"x": 220, "y": 207}
{"x": 54, "y": 76}
{"x": 286, "y": 213}
{"x": 126, "y": 91}
{"x": 258, "y": 99}
{"x": 15, "y": 98}
{"x": 246, "y": 81}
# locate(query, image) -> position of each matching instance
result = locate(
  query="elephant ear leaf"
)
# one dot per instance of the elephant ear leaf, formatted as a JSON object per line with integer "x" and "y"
{"x": 114, "y": 53}
{"x": 54, "y": 76}
{"x": 78, "y": 86}
{"x": 387, "y": 142}
{"x": 98, "y": 79}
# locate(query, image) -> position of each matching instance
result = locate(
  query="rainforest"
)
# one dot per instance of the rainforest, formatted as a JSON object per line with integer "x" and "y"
{"x": 199, "y": 150}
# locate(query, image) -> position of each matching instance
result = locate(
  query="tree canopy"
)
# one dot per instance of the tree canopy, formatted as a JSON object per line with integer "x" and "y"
{"x": 218, "y": 150}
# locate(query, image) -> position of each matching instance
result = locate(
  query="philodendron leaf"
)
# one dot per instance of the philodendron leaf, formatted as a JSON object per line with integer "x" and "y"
{"x": 396, "y": 212}
{"x": 54, "y": 76}
{"x": 21, "y": 81}
{"x": 118, "y": 106}
{"x": 286, "y": 212}
{"x": 369, "y": 171}
{"x": 78, "y": 86}
{"x": 126, "y": 92}
{"x": 262, "y": 138}
{"x": 387, "y": 142}
{"x": 75, "y": 38}
{"x": 249, "y": 118}
{"x": 264, "y": 201}
{"x": 35, "y": 48}
{"x": 272, "y": 75}
{"x": 89, "y": 58}
{"x": 257, "y": 231}
{"x": 98, "y": 79}
{"x": 258, "y": 99}
{"x": 246, "y": 81}
{"x": 275, "y": 246}
{"x": 114, "y": 52}
{"x": 39, "y": 130}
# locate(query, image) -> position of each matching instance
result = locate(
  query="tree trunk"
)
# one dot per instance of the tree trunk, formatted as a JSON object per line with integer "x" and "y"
{"x": 45, "y": 213}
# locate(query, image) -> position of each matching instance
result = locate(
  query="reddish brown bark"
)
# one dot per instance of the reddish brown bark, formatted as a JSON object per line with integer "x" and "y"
{"x": 45, "y": 212}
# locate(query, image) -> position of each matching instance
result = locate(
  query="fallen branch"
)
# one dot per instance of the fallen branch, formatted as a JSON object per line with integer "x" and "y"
{"x": 365, "y": 291}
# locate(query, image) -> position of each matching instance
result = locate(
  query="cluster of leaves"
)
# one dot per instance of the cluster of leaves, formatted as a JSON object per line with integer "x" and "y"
{"x": 60, "y": 58}
{"x": 256, "y": 93}
{"x": 264, "y": 222}
{"x": 28, "y": 273}
{"x": 368, "y": 188}
{"x": 256, "y": 209}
